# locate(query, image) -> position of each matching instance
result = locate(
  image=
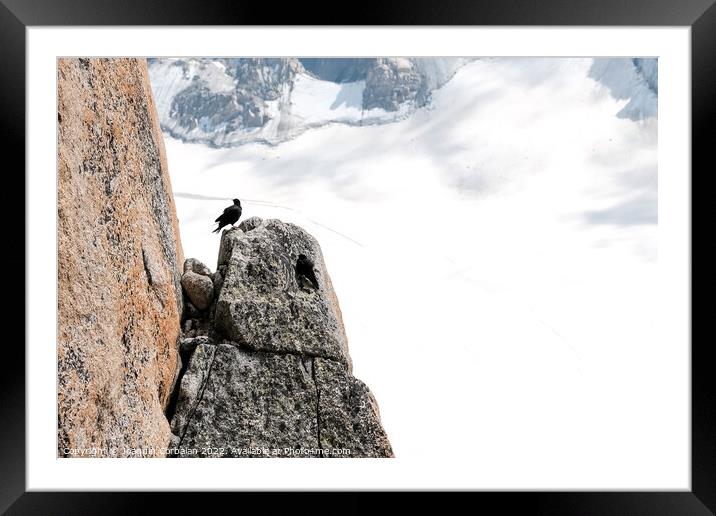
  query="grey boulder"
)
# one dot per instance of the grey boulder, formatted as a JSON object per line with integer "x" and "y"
{"x": 198, "y": 288}
{"x": 194, "y": 265}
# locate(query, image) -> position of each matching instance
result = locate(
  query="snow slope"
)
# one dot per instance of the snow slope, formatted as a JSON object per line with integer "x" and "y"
{"x": 314, "y": 102}
{"x": 491, "y": 254}
{"x": 438, "y": 71}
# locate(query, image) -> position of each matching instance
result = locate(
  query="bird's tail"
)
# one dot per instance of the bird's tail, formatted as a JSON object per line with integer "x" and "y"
{"x": 216, "y": 230}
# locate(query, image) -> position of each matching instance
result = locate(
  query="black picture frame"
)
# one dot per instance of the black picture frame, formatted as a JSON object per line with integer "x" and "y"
{"x": 17, "y": 15}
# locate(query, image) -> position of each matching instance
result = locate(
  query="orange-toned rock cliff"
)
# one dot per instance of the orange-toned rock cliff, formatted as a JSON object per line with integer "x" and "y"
{"x": 119, "y": 257}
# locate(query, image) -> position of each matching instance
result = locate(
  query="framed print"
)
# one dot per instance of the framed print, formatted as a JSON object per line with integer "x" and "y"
{"x": 451, "y": 249}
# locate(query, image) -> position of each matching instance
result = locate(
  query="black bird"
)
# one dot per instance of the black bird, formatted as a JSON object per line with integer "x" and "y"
{"x": 304, "y": 267}
{"x": 230, "y": 216}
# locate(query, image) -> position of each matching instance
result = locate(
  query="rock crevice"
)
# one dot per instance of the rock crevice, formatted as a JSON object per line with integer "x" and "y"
{"x": 200, "y": 396}
{"x": 318, "y": 400}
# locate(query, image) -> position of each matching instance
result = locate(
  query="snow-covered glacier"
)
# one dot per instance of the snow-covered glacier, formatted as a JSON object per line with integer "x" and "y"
{"x": 503, "y": 235}
{"x": 226, "y": 102}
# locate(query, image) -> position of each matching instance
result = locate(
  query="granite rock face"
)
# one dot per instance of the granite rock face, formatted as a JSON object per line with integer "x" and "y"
{"x": 263, "y": 305}
{"x": 119, "y": 253}
{"x": 248, "y": 400}
{"x": 348, "y": 412}
{"x": 271, "y": 377}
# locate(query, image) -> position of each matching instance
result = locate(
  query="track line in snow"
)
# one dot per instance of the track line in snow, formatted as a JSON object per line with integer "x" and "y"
{"x": 256, "y": 202}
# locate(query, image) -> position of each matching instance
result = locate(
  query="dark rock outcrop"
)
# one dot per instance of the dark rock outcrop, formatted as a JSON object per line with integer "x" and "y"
{"x": 223, "y": 96}
{"x": 338, "y": 69}
{"x": 392, "y": 82}
{"x": 271, "y": 375}
{"x": 119, "y": 293}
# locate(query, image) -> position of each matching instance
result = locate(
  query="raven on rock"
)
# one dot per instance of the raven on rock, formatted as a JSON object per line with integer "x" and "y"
{"x": 230, "y": 216}
{"x": 304, "y": 268}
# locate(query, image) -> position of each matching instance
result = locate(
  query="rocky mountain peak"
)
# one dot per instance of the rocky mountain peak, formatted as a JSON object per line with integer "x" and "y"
{"x": 266, "y": 367}
{"x": 231, "y": 101}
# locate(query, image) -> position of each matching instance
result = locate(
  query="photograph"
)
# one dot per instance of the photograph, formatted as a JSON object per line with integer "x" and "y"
{"x": 398, "y": 257}
{"x": 451, "y": 247}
